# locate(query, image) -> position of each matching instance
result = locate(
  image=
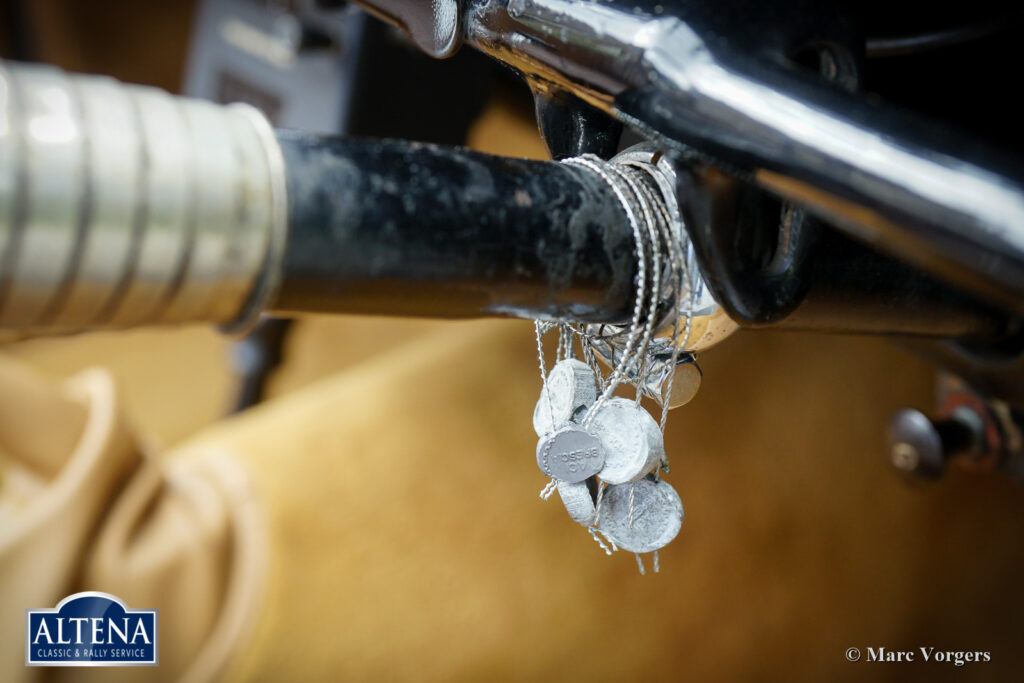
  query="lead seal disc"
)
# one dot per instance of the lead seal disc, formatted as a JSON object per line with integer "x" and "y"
{"x": 570, "y": 454}
{"x": 569, "y": 386}
{"x": 657, "y": 515}
{"x": 631, "y": 439}
{"x": 578, "y": 500}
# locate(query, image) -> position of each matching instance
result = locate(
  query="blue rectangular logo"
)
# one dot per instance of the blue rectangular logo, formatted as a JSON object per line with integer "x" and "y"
{"x": 91, "y": 629}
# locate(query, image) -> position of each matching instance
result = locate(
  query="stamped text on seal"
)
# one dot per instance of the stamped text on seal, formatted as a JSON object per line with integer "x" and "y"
{"x": 570, "y": 454}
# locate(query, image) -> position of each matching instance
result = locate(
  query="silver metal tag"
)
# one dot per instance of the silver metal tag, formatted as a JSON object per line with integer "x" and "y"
{"x": 578, "y": 500}
{"x": 632, "y": 441}
{"x": 656, "y": 519}
{"x": 686, "y": 379}
{"x": 570, "y": 454}
{"x": 569, "y": 387}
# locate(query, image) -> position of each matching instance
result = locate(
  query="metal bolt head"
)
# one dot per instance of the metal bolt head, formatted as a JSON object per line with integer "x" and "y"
{"x": 915, "y": 445}
{"x": 904, "y": 457}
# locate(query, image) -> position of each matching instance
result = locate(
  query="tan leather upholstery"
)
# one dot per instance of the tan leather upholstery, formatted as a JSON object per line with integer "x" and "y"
{"x": 384, "y": 523}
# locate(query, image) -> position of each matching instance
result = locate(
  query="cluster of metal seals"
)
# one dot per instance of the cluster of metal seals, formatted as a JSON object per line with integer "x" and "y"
{"x": 604, "y": 461}
{"x": 123, "y": 205}
{"x": 605, "y": 453}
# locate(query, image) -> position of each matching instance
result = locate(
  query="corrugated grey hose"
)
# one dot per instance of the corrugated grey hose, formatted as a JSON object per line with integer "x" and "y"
{"x": 124, "y": 205}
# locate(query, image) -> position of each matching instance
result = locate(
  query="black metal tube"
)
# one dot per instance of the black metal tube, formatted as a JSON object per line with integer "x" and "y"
{"x": 398, "y": 228}
{"x": 850, "y": 287}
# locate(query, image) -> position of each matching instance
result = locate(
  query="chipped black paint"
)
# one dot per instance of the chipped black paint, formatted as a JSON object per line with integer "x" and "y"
{"x": 398, "y": 228}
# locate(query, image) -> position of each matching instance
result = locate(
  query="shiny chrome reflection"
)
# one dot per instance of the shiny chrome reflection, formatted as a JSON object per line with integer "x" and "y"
{"x": 680, "y": 80}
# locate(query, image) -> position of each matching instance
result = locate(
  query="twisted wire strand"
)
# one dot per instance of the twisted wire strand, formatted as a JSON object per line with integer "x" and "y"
{"x": 596, "y": 165}
{"x": 665, "y": 272}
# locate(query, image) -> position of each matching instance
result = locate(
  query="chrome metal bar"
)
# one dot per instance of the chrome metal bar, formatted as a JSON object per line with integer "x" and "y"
{"x": 122, "y": 205}
{"x": 891, "y": 181}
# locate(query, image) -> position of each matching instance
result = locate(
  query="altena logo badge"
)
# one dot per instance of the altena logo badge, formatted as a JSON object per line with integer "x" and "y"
{"x": 91, "y": 629}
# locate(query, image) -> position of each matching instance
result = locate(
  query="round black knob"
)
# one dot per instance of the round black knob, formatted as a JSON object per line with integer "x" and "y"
{"x": 922, "y": 447}
{"x": 915, "y": 445}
